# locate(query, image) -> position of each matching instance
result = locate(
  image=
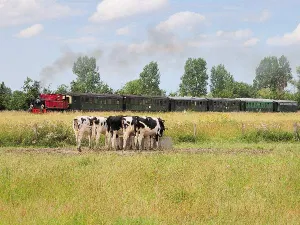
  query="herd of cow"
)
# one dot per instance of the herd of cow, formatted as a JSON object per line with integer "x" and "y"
{"x": 120, "y": 132}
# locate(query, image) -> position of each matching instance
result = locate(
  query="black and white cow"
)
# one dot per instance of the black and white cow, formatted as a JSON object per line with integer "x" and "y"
{"x": 99, "y": 127}
{"x": 82, "y": 125}
{"x": 114, "y": 131}
{"x": 128, "y": 124}
{"x": 148, "y": 127}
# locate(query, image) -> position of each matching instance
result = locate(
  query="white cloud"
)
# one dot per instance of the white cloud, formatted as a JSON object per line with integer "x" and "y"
{"x": 31, "y": 31}
{"x": 251, "y": 42}
{"x": 181, "y": 19}
{"x": 262, "y": 17}
{"x": 116, "y": 9}
{"x": 292, "y": 38}
{"x": 123, "y": 30}
{"x": 239, "y": 34}
{"x": 15, "y": 12}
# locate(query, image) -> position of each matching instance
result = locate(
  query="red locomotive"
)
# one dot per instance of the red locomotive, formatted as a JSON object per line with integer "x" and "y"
{"x": 49, "y": 102}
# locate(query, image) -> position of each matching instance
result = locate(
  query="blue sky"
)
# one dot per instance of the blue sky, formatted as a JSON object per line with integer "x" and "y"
{"x": 42, "y": 38}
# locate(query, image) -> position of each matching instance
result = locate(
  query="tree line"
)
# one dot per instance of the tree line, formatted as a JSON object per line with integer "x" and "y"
{"x": 273, "y": 75}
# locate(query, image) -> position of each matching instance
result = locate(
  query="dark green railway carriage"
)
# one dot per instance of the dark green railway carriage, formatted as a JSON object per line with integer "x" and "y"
{"x": 146, "y": 103}
{"x": 188, "y": 103}
{"x": 256, "y": 105}
{"x": 223, "y": 105}
{"x": 285, "y": 106}
{"x": 96, "y": 102}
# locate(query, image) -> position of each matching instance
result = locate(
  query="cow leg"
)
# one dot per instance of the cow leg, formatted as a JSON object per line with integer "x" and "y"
{"x": 108, "y": 136}
{"x": 131, "y": 142}
{"x": 121, "y": 142}
{"x": 79, "y": 137}
{"x": 90, "y": 139}
{"x": 114, "y": 140}
{"x": 148, "y": 143}
{"x": 157, "y": 142}
{"x": 109, "y": 140}
{"x": 140, "y": 141}
{"x": 136, "y": 141}
{"x": 97, "y": 139}
{"x": 105, "y": 140}
{"x": 125, "y": 140}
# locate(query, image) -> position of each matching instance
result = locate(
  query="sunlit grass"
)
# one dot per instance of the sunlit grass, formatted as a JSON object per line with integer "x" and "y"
{"x": 246, "y": 172}
{"x": 55, "y": 129}
{"x": 171, "y": 188}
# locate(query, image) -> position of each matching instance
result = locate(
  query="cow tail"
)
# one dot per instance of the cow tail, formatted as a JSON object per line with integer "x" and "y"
{"x": 75, "y": 125}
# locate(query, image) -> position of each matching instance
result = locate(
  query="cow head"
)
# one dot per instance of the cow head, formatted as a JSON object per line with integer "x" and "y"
{"x": 161, "y": 127}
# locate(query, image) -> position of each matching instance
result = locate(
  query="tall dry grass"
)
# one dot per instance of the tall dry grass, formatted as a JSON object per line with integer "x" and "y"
{"x": 174, "y": 188}
{"x": 55, "y": 129}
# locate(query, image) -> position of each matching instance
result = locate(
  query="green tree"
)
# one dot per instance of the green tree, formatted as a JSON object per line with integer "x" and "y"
{"x": 150, "y": 80}
{"x": 273, "y": 73}
{"x": 47, "y": 90}
{"x": 174, "y": 94}
{"x": 18, "y": 101}
{"x": 265, "y": 93}
{"x": 62, "y": 89}
{"x": 5, "y": 93}
{"x": 31, "y": 89}
{"x": 243, "y": 90}
{"x": 221, "y": 82}
{"x": 133, "y": 87}
{"x": 296, "y": 82}
{"x": 88, "y": 77}
{"x": 194, "y": 79}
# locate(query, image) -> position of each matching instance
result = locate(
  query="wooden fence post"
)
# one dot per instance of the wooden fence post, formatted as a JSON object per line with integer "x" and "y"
{"x": 243, "y": 129}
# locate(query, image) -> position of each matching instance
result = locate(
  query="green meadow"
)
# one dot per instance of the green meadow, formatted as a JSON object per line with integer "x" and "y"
{"x": 225, "y": 168}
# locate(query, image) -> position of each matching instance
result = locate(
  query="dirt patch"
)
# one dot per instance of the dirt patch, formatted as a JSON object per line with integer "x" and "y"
{"x": 70, "y": 151}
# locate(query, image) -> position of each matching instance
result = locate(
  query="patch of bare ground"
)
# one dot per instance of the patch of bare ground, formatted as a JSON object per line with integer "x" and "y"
{"x": 70, "y": 151}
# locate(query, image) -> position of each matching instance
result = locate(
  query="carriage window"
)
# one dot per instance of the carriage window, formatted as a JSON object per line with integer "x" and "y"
{"x": 215, "y": 103}
{"x": 104, "y": 101}
{"x": 118, "y": 102}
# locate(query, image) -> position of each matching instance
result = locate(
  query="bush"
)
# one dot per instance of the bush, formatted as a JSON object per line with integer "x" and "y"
{"x": 268, "y": 135}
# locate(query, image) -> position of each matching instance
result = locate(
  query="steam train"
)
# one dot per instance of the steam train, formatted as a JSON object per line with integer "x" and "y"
{"x": 114, "y": 102}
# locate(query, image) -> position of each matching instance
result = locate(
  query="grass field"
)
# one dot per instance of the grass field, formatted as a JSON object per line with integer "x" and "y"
{"x": 239, "y": 168}
{"x": 233, "y": 186}
{"x": 55, "y": 129}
